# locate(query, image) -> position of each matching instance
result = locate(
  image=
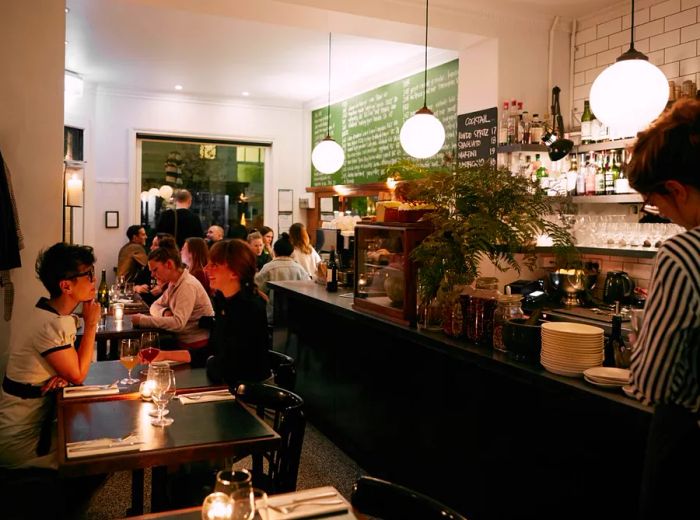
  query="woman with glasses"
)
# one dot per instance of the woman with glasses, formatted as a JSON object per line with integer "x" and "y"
{"x": 239, "y": 336}
{"x": 43, "y": 356}
{"x": 665, "y": 365}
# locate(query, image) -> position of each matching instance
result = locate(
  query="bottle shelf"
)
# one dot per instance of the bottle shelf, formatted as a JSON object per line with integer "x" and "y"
{"x": 626, "y": 198}
{"x": 627, "y": 252}
{"x": 604, "y": 145}
{"x": 515, "y": 148}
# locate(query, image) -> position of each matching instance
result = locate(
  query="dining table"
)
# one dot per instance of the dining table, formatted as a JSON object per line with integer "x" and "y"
{"x": 207, "y": 430}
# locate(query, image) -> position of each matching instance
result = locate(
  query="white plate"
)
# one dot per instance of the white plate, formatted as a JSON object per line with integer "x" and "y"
{"x": 609, "y": 374}
{"x": 627, "y": 389}
{"x": 571, "y": 328}
{"x": 602, "y": 385}
{"x": 561, "y": 372}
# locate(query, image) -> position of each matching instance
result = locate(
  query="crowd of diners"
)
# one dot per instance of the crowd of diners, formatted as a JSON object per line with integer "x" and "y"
{"x": 210, "y": 295}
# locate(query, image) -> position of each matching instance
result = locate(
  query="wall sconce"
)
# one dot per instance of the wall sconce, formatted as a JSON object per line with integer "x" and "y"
{"x": 74, "y": 189}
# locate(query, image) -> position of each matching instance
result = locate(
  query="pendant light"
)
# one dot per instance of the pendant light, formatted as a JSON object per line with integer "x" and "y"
{"x": 630, "y": 93}
{"x": 422, "y": 135}
{"x": 328, "y": 156}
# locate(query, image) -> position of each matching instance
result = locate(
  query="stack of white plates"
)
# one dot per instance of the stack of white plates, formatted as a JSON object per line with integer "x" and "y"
{"x": 607, "y": 377}
{"x": 570, "y": 348}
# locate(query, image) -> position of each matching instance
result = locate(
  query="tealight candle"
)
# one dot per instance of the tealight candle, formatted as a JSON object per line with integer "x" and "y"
{"x": 146, "y": 389}
{"x": 217, "y": 506}
{"x": 118, "y": 311}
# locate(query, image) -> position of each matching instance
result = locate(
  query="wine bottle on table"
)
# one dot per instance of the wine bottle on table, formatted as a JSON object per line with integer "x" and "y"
{"x": 332, "y": 273}
{"x": 103, "y": 291}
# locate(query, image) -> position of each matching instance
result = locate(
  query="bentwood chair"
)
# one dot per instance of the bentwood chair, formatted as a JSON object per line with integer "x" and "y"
{"x": 276, "y": 470}
{"x": 283, "y": 369}
{"x": 388, "y": 501}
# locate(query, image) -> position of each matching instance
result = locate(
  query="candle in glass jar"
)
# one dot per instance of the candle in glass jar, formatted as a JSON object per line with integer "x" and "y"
{"x": 217, "y": 506}
{"x": 146, "y": 388}
{"x": 118, "y": 311}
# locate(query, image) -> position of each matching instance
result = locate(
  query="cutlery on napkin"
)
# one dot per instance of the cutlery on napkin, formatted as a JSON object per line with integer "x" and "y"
{"x": 206, "y": 397}
{"x": 86, "y": 390}
{"x": 308, "y": 503}
{"x": 102, "y": 446}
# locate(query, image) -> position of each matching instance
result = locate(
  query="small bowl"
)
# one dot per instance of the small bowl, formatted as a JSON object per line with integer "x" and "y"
{"x": 523, "y": 341}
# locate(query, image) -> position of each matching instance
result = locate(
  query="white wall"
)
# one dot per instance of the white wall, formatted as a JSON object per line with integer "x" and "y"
{"x": 668, "y": 32}
{"x": 31, "y": 139}
{"x": 112, "y": 161}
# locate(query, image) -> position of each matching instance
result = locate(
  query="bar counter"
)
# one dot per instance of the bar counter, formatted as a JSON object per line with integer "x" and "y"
{"x": 489, "y": 435}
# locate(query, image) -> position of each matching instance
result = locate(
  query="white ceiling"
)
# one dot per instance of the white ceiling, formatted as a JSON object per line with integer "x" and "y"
{"x": 151, "y": 46}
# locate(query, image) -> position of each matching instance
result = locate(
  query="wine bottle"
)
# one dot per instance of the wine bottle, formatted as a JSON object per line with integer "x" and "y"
{"x": 332, "y": 273}
{"x": 616, "y": 352}
{"x": 586, "y": 119}
{"x": 103, "y": 290}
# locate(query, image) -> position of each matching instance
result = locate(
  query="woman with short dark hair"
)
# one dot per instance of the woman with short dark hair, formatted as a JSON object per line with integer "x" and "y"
{"x": 665, "y": 365}
{"x": 239, "y": 336}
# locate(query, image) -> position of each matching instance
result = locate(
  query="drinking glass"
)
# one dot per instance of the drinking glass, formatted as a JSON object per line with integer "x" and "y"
{"x": 150, "y": 348}
{"x": 163, "y": 390}
{"x": 227, "y": 481}
{"x": 129, "y": 357}
{"x": 129, "y": 291}
{"x": 248, "y": 500}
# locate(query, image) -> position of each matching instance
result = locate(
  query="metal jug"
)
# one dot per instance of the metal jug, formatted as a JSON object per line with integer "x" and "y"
{"x": 618, "y": 287}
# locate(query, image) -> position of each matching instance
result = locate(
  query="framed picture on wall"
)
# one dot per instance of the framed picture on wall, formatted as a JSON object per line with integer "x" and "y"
{"x": 111, "y": 219}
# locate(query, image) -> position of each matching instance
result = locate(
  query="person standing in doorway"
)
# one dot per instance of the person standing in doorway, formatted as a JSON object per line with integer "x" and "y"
{"x": 181, "y": 222}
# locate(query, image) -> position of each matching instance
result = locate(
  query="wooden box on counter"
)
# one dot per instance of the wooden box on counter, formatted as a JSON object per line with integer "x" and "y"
{"x": 385, "y": 275}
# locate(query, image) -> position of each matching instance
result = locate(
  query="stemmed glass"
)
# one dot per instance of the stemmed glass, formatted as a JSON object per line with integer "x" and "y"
{"x": 163, "y": 391}
{"x": 150, "y": 348}
{"x": 129, "y": 357}
{"x": 246, "y": 501}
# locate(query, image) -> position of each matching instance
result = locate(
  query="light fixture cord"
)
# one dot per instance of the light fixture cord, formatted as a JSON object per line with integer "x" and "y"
{"x": 425, "y": 69}
{"x": 328, "y": 117}
{"x": 632, "y": 28}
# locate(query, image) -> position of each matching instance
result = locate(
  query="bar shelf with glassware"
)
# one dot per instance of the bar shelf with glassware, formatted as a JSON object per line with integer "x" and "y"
{"x": 629, "y": 252}
{"x": 622, "y": 198}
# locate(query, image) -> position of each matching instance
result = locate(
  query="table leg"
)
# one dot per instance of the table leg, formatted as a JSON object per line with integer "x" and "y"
{"x": 159, "y": 499}
{"x": 136, "y": 492}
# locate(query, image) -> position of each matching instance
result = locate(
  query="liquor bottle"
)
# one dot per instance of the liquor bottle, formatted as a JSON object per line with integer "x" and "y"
{"x": 103, "y": 291}
{"x": 536, "y": 130}
{"x": 580, "y": 179}
{"x": 622, "y": 183}
{"x": 332, "y": 273}
{"x": 503, "y": 126}
{"x": 599, "y": 176}
{"x": 513, "y": 122}
{"x": 541, "y": 174}
{"x": 572, "y": 177}
{"x": 525, "y": 127}
{"x": 595, "y": 128}
{"x": 590, "y": 176}
{"x": 586, "y": 119}
{"x": 519, "y": 123}
{"x": 609, "y": 177}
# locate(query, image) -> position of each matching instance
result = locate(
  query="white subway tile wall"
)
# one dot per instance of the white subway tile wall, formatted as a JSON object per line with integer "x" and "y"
{"x": 668, "y": 31}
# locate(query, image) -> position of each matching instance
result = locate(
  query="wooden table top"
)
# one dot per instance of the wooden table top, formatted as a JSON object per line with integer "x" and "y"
{"x": 200, "y": 431}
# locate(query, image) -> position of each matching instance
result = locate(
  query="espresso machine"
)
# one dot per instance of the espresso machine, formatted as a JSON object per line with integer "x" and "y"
{"x": 344, "y": 245}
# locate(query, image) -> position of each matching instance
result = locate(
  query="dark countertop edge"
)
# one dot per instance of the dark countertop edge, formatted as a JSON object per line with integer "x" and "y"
{"x": 484, "y": 357}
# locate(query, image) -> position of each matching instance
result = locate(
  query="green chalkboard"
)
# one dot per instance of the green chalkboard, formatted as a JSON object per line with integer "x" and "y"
{"x": 367, "y": 126}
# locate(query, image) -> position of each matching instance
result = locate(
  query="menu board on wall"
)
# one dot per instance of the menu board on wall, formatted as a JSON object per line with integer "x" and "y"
{"x": 367, "y": 126}
{"x": 477, "y": 136}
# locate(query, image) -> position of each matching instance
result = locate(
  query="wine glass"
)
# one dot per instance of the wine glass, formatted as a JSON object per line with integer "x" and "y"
{"x": 129, "y": 357}
{"x": 246, "y": 501}
{"x": 129, "y": 290}
{"x": 163, "y": 391}
{"x": 150, "y": 348}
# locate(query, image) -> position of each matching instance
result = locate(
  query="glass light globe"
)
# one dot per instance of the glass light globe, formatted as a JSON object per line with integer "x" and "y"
{"x": 166, "y": 191}
{"x": 144, "y": 196}
{"x": 328, "y": 156}
{"x": 154, "y": 192}
{"x": 629, "y": 95}
{"x": 422, "y": 135}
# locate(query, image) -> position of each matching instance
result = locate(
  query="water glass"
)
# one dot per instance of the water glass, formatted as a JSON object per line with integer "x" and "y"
{"x": 163, "y": 390}
{"x": 247, "y": 501}
{"x": 227, "y": 481}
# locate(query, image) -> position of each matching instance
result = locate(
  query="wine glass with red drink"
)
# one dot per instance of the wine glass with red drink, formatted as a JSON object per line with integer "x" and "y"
{"x": 150, "y": 347}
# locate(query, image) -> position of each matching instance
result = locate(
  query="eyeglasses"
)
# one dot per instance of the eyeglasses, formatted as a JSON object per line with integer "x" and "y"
{"x": 90, "y": 273}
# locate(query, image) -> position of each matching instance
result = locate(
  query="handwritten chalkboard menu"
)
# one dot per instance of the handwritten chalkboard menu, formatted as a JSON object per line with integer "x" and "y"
{"x": 367, "y": 126}
{"x": 477, "y": 135}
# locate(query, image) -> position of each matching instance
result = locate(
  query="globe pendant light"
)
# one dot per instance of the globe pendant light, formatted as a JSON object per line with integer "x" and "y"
{"x": 630, "y": 93}
{"x": 328, "y": 156}
{"x": 422, "y": 135}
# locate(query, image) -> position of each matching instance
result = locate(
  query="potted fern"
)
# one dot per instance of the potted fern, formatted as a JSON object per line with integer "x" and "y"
{"x": 479, "y": 213}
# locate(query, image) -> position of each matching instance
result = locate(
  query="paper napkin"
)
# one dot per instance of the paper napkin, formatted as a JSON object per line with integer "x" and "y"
{"x": 206, "y": 397}
{"x": 86, "y": 391}
{"x": 313, "y": 508}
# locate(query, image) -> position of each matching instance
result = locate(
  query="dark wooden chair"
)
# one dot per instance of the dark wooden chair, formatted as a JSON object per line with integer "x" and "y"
{"x": 388, "y": 501}
{"x": 283, "y": 369}
{"x": 276, "y": 471}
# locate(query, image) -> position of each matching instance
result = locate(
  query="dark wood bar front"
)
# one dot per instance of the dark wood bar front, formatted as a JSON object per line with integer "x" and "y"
{"x": 488, "y": 435}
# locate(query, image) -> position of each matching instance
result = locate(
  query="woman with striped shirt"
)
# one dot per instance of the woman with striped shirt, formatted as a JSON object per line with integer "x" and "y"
{"x": 665, "y": 169}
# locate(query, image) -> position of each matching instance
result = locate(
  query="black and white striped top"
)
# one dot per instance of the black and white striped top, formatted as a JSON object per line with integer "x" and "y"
{"x": 665, "y": 364}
